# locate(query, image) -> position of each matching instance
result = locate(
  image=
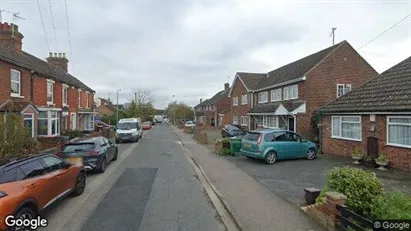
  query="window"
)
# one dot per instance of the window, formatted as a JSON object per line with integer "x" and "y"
{"x": 65, "y": 90}
{"x": 235, "y": 101}
{"x": 244, "y": 100}
{"x": 269, "y": 137}
{"x": 235, "y": 119}
{"x": 276, "y": 95}
{"x": 399, "y": 131}
{"x": 281, "y": 136}
{"x": 346, "y": 127}
{"x": 201, "y": 119}
{"x": 263, "y": 97}
{"x": 50, "y": 91}
{"x": 48, "y": 123}
{"x": 291, "y": 92}
{"x": 29, "y": 123}
{"x": 52, "y": 163}
{"x": 12, "y": 175}
{"x": 268, "y": 121}
{"x": 33, "y": 169}
{"x": 87, "y": 100}
{"x": 343, "y": 89}
{"x": 15, "y": 83}
{"x": 244, "y": 120}
{"x": 293, "y": 137}
{"x": 79, "y": 99}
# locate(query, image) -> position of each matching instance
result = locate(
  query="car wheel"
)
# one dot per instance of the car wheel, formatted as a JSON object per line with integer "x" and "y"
{"x": 24, "y": 213}
{"x": 271, "y": 157}
{"x": 103, "y": 166}
{"x": 117, "y": 141}
{"x": 80, "y": 184}
{"x": 115, "y": 155}
{"x": 310, "y": 155}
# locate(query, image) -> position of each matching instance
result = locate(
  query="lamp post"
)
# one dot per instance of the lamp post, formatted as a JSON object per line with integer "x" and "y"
{"x": 117, "y": 106}
{"x": 174, "y": 112}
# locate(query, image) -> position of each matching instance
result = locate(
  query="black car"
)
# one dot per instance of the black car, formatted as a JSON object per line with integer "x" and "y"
{"x": 95, "y": 153}
{"x": 231, "y": 130}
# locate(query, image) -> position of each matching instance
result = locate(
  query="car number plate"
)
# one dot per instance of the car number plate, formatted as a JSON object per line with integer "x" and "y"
{"x": 74, "y": 160}
{"x": 247, "y": 145}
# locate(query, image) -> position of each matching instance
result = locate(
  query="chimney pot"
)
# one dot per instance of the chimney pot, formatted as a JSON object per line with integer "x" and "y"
{"x": 10, "y": 35}
{"x": 226, "y": 86}
{"x": 64, "y": 55}
{"x": 201, "y": 100}
{"x": 50, "y": 54}
{"x": 58, "y": 60}
{"x": 55, "y": 54}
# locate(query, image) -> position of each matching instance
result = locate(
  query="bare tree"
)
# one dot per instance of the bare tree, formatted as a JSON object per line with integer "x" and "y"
{"x": 142, "y": 96}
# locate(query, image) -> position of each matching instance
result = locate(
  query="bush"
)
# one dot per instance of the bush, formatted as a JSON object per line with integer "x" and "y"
{"x": 73, "y": 134}
{"x": 224, "y": 152}
{"x": 361, "y": 188}
{"x": 13, "y": 137}
{"x": 31, "y": 146}
{"x": 392, "y": 205}
{"x": 321, "y": 197}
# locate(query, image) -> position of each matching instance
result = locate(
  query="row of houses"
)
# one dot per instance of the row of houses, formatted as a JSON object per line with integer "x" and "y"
{"x": 49, "y": 99}
{"x": 355, "y": 106}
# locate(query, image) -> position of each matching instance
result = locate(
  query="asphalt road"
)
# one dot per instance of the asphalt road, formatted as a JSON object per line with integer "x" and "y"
{"x": 150, "y": 187}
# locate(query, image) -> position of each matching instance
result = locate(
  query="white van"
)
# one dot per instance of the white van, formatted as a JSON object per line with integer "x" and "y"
{"x": 129, "y": 129}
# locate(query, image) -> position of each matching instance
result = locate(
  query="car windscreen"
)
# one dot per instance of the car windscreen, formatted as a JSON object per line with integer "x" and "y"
{"x": 127, "y": 126}
{"x": 251, "y": 136}
{"x": 233, "y": 128}
{"x": 78, "y": 147}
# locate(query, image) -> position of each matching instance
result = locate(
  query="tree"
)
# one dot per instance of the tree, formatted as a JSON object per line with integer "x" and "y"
{"x": 141, "y": 104}
{"x": 179, "y": 111}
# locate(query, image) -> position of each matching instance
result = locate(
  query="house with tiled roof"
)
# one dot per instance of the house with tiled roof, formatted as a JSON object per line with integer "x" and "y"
{"x": 288, "y": 97}
{"x": 49, "y": 98}
{"x": 375, "y": 118}
{"x": 105, "y": 107}
{"x": 214, "y": 112}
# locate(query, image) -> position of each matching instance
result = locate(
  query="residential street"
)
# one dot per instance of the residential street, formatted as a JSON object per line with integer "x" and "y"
{"x": 151, "y": 186}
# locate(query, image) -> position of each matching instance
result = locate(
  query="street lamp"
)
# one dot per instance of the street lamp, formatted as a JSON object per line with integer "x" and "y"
{"x": 174, "y": 112}
{"x": 117, "y": 106}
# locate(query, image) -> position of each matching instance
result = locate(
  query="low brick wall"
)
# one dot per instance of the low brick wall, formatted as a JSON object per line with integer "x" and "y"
{"x": 200, "y": 136}
{"x": 52, "y": 142}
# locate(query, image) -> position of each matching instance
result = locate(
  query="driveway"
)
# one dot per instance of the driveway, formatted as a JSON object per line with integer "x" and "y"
{"x": 288, "y": 178}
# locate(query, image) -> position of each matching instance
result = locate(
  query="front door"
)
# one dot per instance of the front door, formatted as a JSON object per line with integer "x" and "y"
{"x": 291, "y": 124}
{"x": 73, "y": 120}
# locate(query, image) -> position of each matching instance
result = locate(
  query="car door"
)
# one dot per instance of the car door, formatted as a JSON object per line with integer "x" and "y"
{"x": 64, "y": 180}
{"x": 297, "y": 147}
{"x": 282, "y": 145}
{"x": 110, "y": 148}
{"x": 40, "y": 184}
{"x": 104, "y": 149}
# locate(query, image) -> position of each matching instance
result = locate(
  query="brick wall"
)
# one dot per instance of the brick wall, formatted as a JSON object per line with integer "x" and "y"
{"x": 400, "y": 158}
{"x": 239, "y": 110}
{"x": 58, "y": 94}
{"x": 40, "y": 91}
{"x": 5, "y": 82}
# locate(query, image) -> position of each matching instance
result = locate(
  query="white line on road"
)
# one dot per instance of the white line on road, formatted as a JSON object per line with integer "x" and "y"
{"x": 67, "y": 210}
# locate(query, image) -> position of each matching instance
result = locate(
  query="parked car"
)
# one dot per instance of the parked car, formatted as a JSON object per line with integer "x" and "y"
{"x": 94, "y": 153}
{"x": 147, "y": 125}
{"x": 231, "y": 130}
{"x": 129, "y": 129}
{"x": 189, "y": 123}
{"x": 31, "y": 184}
{"x": 273, "y": 145}
{"x": 153, "y": 122}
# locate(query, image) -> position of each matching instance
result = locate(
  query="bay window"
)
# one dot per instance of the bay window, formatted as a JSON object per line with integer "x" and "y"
{"x": 15, "y": 86}
{"x": 263, "y": 97}
{"x": 48, "y": 123}
{"x": 399, "y": 131}
{"x": 268, "y": 121}
{"x": 346, "y": 127}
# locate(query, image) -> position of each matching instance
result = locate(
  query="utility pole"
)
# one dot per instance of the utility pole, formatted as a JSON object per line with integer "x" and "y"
{"x": 333, "y": 34}
{"x": 117, "y": 103}
{"x": 174, "y": 112}
{"x": 135, "y": 101}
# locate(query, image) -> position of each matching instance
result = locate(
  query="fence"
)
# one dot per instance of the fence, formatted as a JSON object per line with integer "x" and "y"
{"x": 348, "y": 220}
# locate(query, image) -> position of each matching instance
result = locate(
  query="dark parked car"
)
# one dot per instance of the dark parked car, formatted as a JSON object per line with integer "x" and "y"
{"x": 231, "y": 130}
{"x": 94, "y": 153}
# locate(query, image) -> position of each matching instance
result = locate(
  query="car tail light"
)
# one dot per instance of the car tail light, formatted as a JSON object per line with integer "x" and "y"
{"x": 260, "y": 137}
{"x": 2, "y": 194}
{"x": 93, "y": 153}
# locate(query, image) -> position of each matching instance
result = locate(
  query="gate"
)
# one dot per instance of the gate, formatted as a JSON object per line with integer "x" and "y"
{"x": 372, "y": 147}
{"x": 348, "y": 220}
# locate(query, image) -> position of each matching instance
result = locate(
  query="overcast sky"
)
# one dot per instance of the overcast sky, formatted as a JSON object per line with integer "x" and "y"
{"x": 190, "y": 48}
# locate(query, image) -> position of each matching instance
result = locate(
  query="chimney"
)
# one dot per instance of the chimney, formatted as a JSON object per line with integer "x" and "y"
{"x": 226, "y": 86}
{"x": 10, "y": 36}
{"x": 58, "y": 60}
{"x": 201, "y": 100}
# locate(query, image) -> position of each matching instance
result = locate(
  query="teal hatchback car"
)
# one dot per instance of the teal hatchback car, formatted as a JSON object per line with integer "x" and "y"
{"x": 272, "y": 145}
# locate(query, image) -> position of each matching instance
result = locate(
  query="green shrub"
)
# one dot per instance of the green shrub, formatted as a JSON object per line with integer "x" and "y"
{"x": 73, "y": 134}
{"x": 321, "y": 197}
{"x": 224, "y": 152}
{"x": 382, "y": 158}
{"x": 13, "y": 137}
{"x": 361, "y": 188}
{"x": 392, "y": 205}
{"x": 225, "y": 140}
{"x": 357, "y": 152}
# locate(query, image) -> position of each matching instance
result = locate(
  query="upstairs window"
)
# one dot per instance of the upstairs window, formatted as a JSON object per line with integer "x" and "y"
{"x": 291, "y": 92}
{"x": 50, "y": 90}
{"x": 65, "y": 90}
{"x": 79, "y": 99}
{"x": 263, "y": 97}
{"x": 235, "y": 101}
{"x": 343, "y": 89}
{"x": 276, "y": 95}
{"x": 244, "y": 100}
{"x": 15, "y": 83}
{"x": 87, "y": 106}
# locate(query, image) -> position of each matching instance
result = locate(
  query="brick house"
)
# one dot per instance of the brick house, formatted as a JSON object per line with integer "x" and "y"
{"x": 105, "y": 107}
{"x": 287, "y": 97}
{"x": 375, "y": 118}
{"x": 48, "y": 97}
{"x": 214, "y": 112}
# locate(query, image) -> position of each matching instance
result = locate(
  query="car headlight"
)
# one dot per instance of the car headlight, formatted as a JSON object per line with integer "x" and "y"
{"x": 135, "y": 133}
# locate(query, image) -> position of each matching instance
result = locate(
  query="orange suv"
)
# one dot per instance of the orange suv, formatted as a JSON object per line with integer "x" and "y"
{"x": 29, "y": 185}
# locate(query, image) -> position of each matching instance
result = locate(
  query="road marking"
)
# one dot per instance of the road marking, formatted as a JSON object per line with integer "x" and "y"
{"x": 60, "y": 218}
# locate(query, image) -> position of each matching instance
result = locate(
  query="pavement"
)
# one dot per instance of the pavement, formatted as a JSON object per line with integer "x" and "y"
{"x": 152, "y": 186}
{"x": 253, "y": 205}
